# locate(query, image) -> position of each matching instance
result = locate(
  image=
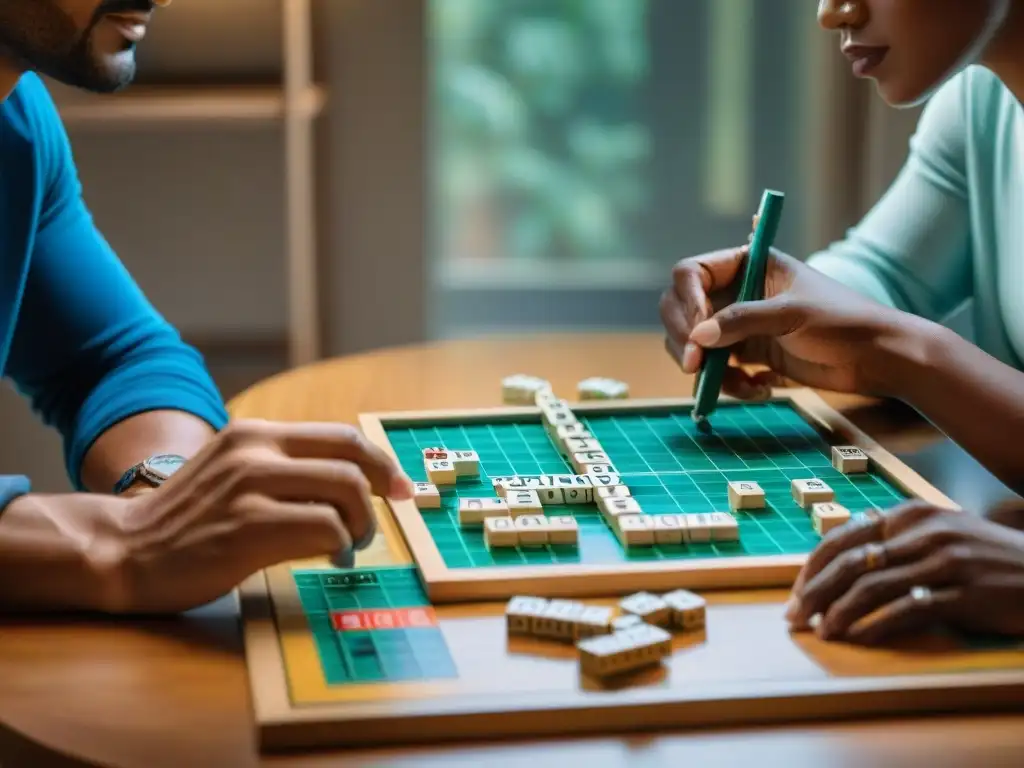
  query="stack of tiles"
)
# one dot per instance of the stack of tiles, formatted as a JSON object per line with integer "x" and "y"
{"x": 609, "y": 644}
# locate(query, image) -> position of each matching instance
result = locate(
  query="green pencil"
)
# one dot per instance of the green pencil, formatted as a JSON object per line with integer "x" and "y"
{"x": 709, "y": 378}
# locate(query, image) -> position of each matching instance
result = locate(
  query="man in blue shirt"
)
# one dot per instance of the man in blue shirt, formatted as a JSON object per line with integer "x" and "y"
{"x": 133, "y": 403}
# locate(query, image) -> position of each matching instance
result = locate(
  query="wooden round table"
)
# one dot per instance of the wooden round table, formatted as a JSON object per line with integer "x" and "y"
{"x": 173, "y": 692}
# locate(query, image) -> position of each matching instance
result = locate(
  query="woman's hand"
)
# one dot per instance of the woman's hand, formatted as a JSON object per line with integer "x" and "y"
{"x": 912, "y": 567}
{"x": 808, "y": 328}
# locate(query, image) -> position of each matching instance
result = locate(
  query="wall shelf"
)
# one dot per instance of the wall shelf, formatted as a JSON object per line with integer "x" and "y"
{"x": 261, "y": 79}
{"x": 160, "y": 105}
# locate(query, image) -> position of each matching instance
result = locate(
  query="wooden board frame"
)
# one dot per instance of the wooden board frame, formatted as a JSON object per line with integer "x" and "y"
{"x": 389, "y": 718}
{"x": 444, "y": 584}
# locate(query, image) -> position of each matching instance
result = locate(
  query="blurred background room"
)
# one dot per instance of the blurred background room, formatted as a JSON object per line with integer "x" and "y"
{"x": 296, "y": 179}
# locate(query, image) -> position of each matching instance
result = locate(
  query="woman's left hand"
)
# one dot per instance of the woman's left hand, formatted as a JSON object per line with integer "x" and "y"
{"x": 909, "y": 568}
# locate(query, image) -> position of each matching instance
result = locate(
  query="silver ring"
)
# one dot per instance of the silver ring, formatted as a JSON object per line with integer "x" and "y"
{"x": 922, "y": 596}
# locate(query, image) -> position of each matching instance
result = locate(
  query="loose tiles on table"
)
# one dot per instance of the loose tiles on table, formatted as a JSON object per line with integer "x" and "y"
{"x": 565, "y": 620}
{"x": 602, "y": 388}
{"x": 624, "y": 651}
{"x": 626, "y": 621}
{"x": 651, "y": 608}
{"x": 522, "y": 389}
{"x": 688, "y": 610}
{"x": 520, "y": 612}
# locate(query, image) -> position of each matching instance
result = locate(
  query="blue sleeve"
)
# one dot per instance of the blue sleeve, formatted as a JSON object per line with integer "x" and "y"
{"x": 11, "y": 487}
{"x": 913, "y": 251}
{"x": 89, "y": 350}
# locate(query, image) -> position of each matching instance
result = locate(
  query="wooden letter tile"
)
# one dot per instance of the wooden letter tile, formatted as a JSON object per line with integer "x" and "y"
{"x": 611, "y": 492}
{"x": 604, "y": 481}
{"x": 500, "y": 532}
{"x": 648, "y": 607}
{"x": 520, "y": 611}
{"x": 523, "y": 503}
{"x": 698, "y": 528}
{"x": 558, "y": 620}
{"x": 563, "y": 529}
{"x": 669, "y": 529}
{"x": 532, "y": 530}
{"x": 522, "y": 389}
{"x": 502, "y": 485}
{"x": 849, "y": 459}
{"x": 440, "y": 471}
{"x": 595, "y": 620}
{"x": 472, "y": 512}
{"x": 826, "y": 515}
{"x": 467, "y": 463}
{"x": 602, "y": 388}
{"x": 427, "y": 496}
{"x": 551, "y": 496}
{"x": 812, "y": 491}
{"x": 582, "y": 459}
{"x": 688, "y": 609}
{"x": 723, "y": 527}
{"x": 745, "y": 494}
{"x": 636, "y": 530}
{"x": 615, "y": 506}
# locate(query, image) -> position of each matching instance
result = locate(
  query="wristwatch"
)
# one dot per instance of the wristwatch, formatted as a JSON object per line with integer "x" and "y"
{"x": 155, "y": 470}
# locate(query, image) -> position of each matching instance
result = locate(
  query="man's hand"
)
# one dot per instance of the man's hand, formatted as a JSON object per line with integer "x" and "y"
{"x": 808, "y": 328}
{"x": 258, "y": 494}
{"x": 915, "y": 566}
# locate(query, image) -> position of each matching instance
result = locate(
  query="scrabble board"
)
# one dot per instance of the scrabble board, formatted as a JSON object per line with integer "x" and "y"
{"x": 413, "y": 646}
{"x": 670, "y": 468}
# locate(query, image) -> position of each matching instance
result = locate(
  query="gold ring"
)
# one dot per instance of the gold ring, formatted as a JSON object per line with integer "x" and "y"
{"x": 874, "y": 556}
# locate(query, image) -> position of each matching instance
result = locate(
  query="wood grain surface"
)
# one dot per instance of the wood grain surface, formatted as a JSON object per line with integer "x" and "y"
{"x": 174, "y": 692}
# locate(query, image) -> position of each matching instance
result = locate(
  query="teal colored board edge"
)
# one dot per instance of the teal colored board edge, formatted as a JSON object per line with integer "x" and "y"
{"x": 377, "y": 655}
{"x": 708, "y": 387}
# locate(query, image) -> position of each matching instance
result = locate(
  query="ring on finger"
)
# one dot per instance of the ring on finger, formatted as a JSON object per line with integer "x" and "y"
{"x": 875, "y": 518}
{"x": 922, "y": 596}
{"x": 875, "y": 556}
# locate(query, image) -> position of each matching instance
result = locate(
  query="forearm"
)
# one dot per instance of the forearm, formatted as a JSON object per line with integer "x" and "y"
{"x": 60, "y": 553}
{"x": 137, "y": 438}
{"x": 976, "y": 400}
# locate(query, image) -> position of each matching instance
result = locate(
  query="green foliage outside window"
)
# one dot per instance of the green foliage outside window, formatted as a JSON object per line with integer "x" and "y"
{"x": 540, "y": 144}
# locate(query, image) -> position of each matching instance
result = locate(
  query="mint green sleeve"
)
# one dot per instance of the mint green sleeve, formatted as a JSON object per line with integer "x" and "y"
{"x": 912, "y": 251}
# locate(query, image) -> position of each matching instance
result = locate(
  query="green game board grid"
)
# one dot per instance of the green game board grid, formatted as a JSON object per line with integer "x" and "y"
{"x": 669, "y": 466}
{"x": 378, "y": 655}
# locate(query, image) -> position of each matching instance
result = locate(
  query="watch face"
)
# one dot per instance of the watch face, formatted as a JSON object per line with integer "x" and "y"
{"x": 164, "y": 465}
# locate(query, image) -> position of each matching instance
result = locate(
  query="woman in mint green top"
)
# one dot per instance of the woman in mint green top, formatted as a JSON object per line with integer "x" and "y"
{"x": 864, "y": 316}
